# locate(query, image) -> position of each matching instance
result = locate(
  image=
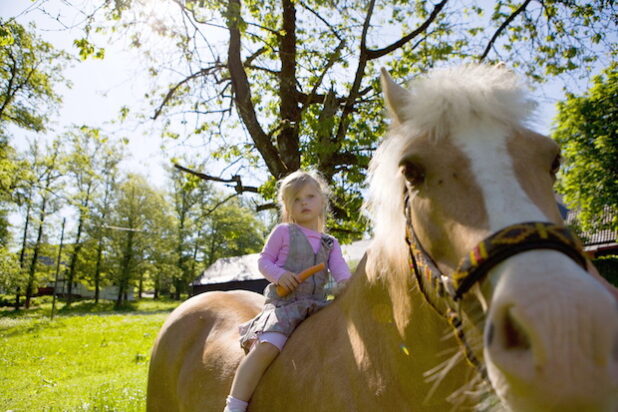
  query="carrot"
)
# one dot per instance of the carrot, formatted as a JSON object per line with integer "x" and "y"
{"x": 302, "y": 276}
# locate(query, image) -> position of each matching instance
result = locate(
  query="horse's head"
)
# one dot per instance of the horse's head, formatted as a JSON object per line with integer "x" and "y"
{"x": 460, "y": 177}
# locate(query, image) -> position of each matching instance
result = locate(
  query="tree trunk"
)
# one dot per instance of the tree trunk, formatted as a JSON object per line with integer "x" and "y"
{"x": 35, "y": 255}
{"x": 242, "y": 95}
{"x": 157, "y": 284}
{"x": 194, "y": 260}
{"x": 17, "y": 294}
{"x": 78, "y": 246}
{"x": 125, "y": 271}
{"x": 140, "y": 286}
{"x": 179, "y": 248}
{"x": 22, "y": 254}
{"x": 289, "y": 110}
{"x": 73, "y": 264}
{"x": 97, "y": 271}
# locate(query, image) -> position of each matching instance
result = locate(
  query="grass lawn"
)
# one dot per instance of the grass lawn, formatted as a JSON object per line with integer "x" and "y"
{"x": 89, "y": 358}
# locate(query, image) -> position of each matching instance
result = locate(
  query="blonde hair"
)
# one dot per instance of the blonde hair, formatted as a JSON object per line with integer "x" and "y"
{"x": 288, "y": 188}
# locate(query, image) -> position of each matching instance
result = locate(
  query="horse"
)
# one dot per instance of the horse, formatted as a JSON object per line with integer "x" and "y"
{"x": 471, "y": 296}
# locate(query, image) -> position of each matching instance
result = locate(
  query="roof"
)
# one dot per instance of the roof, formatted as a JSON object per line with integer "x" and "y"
{"x": 245, "y": 267}
{"x": 596, "y": 239}
{"x": 230, "y": 269}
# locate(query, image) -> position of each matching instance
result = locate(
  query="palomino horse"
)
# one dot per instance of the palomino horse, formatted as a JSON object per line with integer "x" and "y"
{"x": 471, "y": 288}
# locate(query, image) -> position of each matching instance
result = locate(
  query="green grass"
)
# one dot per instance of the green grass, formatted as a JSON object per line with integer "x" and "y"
{"x": 89, "y": 358}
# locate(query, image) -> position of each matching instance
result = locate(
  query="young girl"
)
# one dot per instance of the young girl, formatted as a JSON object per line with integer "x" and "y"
{"x": 294, "y": 245}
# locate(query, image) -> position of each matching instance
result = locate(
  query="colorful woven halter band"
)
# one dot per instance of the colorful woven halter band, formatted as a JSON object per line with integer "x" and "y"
{"x": 450, "y": 289}
{"x": 510, "y": 241}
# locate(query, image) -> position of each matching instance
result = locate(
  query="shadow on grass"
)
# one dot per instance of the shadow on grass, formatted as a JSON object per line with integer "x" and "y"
{"x": 89, "y": 307}
{"x": 29, "y": 321}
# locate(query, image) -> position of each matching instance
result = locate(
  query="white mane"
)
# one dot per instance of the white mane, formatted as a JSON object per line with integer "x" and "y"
{"x": 437, "y": 104}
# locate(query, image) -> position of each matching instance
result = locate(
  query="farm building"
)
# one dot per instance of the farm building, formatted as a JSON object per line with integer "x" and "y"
{"x": 241, "y": 272}
{"x": 601, "y": 246}
{"x": 80, "y": 290}
{"x": 599, "y": 243}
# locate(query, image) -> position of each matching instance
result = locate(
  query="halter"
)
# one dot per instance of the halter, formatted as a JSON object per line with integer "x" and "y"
{"x": 509, "y": 241}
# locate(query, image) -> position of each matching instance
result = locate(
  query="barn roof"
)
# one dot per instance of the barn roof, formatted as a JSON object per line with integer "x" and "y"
{"x": 245, "y": 267}
{"x": 599, "y": 239}
{"x": 229, "y": 269}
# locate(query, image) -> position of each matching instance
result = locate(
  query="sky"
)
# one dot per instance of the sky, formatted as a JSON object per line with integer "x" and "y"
{"x": 102, "y": 87}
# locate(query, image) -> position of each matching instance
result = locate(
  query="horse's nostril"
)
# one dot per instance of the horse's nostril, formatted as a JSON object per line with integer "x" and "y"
{"x": 515, "y": 337}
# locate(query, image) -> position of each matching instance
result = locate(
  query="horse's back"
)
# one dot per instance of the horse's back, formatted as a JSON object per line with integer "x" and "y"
{"x": 196, "y": 353}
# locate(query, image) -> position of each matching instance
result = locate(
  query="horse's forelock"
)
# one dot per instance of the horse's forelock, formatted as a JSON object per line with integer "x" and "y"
{"x": 449, "y": 98}
{"x": 440, "y": 103}
{"x": 385, "y": 204}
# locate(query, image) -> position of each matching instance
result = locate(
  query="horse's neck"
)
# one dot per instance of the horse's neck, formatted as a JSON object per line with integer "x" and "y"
{"x": 397, "y": 335}
{"x": 377, "y": 339}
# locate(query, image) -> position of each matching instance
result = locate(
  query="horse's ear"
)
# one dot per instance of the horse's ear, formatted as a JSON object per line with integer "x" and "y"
{"x": 395, "y": 96}
{"x": 501, "y": 65}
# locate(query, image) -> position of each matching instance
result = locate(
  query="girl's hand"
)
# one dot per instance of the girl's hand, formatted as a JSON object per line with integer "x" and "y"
{"x": 289, "y": 281}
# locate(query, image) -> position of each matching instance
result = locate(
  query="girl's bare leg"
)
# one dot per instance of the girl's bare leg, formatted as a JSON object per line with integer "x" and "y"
{"x": 251, "y": 369}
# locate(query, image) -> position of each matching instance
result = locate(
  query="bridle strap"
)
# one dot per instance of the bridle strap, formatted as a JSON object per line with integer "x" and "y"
{"x": 488, "y": 253}
{"x": 512, "y": 240}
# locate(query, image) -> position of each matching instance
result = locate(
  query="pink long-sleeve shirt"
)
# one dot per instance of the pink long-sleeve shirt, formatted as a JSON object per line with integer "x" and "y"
{"x": 275, "y": 252}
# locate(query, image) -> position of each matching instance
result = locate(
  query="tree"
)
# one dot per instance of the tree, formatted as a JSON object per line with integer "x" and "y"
{"x": 210, "y": 224}
{"x": 136, "y": 219}
{"x": 162, "y": 267}
{"x": 87, "y": 160}
{"x": 185, "y": 196}
{"x": 13, "y": 178}
{"x": 230, "y": 230}
{"x": 587, "y": 130}
{"x": 301, "y": 76}
{"x": 100, "y": 214}
{"x": 30, "y": 69}
{"x": 10, "y": 278}
{"x": 49, "y": 169}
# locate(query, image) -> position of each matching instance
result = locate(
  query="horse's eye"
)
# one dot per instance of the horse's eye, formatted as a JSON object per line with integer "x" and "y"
{"x": 555, "y": 165}
{"x": 413, "y": 173}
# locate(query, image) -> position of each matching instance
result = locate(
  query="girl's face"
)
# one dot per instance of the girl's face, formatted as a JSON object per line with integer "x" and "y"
{"x": 306, "y": 206}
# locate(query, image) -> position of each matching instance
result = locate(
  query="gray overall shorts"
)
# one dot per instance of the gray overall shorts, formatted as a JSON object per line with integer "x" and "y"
{"x": 284, "y": 314}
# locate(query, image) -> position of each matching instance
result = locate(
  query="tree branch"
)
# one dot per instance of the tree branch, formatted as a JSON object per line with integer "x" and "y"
{"x": 237, "y": 180}
{"x": 263, "y": 69}
{"x": 358, "y": 77}
{"x": 327, "y": 24}
{"x": 242, "y": 95}
{"x": 503, "y": 27}
{"x": 254, "y": 56}
{"x": 265, "y": 206}
{"x": 172, "y": 91}
{"x": 331, "y": 61}
{"x": 212, "y": 209}
{"x": 375, "y": 54}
